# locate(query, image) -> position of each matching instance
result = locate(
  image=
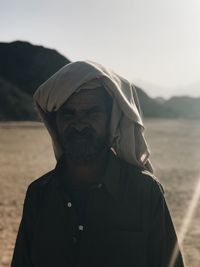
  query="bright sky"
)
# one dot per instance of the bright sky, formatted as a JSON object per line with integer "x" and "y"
{"x": 153, "y": 43}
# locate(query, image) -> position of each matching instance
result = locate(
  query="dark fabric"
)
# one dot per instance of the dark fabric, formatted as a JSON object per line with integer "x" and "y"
{"x": 77, "y": 193}
{"x": 126, "y": 223}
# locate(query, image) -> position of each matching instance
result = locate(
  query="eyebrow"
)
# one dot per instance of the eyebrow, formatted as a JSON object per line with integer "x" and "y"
{"x": 68, "y": 109}
{"x": 95, "y": 108}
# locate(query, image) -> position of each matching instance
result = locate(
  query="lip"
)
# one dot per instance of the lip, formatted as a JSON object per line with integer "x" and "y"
{"x": 80, "y": 139}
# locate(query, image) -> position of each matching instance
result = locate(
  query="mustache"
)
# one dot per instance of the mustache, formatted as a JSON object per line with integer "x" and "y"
{"x": 86, "y": 133}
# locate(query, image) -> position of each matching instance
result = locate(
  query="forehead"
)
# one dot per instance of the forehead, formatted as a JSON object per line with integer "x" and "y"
{"x": 87, "y": 98}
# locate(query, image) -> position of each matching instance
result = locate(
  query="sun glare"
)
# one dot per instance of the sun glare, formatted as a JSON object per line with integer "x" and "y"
{"x": 186, "y": 222}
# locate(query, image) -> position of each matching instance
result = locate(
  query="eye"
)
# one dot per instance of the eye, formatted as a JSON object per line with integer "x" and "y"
{"x": 67, "y": 113}
{"x": 93, "y": 112}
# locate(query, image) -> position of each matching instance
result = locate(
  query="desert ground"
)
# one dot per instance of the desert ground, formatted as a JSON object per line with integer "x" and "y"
{"x": 26, "y": 154}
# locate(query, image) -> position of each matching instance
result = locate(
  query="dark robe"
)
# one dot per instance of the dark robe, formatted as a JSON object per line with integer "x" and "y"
{"x": 123, "y": 221}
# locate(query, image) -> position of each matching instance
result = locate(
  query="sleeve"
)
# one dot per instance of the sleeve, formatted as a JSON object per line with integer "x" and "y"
{"x": 162, "y": 241}
{"x": 21, "y": 255}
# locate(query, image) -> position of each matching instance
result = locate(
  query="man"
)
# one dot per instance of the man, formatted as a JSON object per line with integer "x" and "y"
{"x": 101, "y": 206}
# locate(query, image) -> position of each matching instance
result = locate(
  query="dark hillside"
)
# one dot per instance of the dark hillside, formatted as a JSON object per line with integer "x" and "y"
{"x": 14, "y": 103}
{"x": 27, "y": 66}
{"x": 184, "y": 106}
{"x": 152, "y": 108}
{"x": 23, "y": 67}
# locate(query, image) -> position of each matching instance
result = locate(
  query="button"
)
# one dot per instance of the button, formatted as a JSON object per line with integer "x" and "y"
{"x": 80, "y": 227}
{"x": 69, "y": 204}
{"x": 74, "y": 239}
{"x": 99, "y": 185}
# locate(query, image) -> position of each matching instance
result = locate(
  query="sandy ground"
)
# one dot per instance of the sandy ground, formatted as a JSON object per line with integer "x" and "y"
{"x": 26, "y": 153}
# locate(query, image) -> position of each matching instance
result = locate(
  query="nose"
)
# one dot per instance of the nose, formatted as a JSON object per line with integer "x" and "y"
{"x": 80, "y": 126}
{"x": 80, "y": 123}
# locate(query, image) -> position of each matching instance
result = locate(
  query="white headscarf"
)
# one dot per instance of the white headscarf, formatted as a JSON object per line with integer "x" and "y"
{"x": 126, "y": 126}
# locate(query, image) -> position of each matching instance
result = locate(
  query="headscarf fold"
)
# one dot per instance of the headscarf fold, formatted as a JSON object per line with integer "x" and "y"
{"x": 126, "y": 126}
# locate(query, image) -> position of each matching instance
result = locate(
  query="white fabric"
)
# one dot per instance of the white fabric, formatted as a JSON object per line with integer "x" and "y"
{"x": 126, "y": 127}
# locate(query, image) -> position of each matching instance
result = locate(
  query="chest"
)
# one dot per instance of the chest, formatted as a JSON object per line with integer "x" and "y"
{"x": 113, "y": 233}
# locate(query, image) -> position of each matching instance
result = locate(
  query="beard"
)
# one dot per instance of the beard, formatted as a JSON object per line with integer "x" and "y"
{"x": 85, "y": 145}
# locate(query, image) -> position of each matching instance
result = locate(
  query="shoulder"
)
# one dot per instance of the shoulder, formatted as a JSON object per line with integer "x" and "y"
{"x": 35, "y": 195}
{"x": 42, "y": 181}
{"x": 146, "y": 187}
{"x": 40, "y": 184}
{"x": 141, "y": 178}
{"x": 152, "y": 179}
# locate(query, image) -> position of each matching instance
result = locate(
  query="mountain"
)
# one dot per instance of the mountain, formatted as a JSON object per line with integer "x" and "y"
{"x": 153, "y": 108}
{"x": 23, "y": 67}
{"x": 27, "y": 66}
{"x": 187, "y": 107}
{"x": 14, "y": 103}
{"x": 160, "y": 100}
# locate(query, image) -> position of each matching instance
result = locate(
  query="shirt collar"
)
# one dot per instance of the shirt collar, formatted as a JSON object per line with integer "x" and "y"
{"x": 111, "y": 176}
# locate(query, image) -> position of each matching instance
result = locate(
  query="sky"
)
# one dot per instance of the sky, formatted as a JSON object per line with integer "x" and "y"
{"x": 153, "y": 43}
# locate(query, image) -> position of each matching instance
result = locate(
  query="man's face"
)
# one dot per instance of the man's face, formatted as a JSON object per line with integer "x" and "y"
{"x": 83, "y": 124}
